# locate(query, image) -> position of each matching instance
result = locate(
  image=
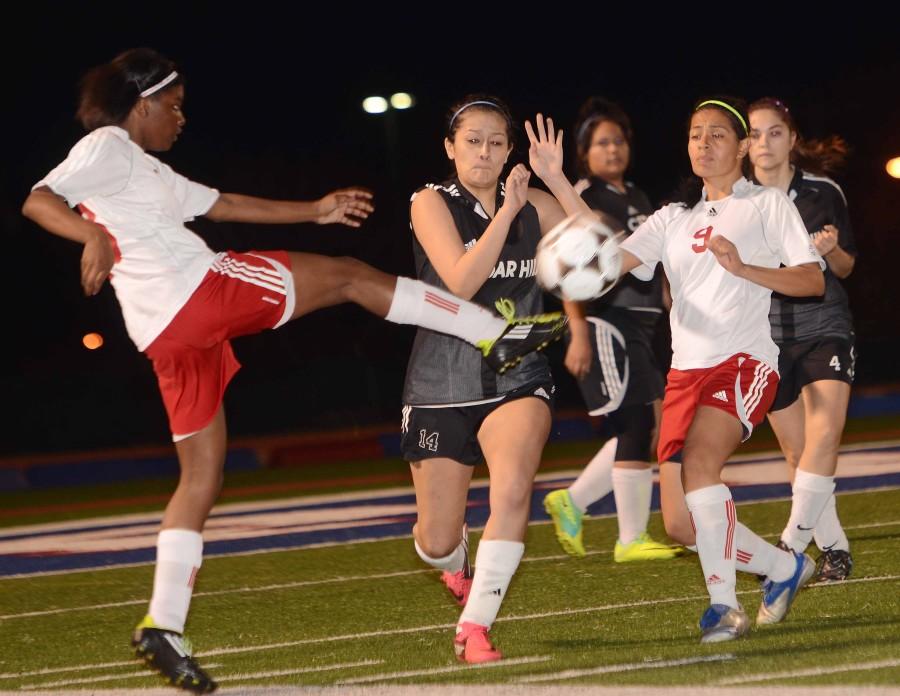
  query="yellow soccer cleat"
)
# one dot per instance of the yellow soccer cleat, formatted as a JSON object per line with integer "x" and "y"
{"x": 645, "y": 549}
{"x": 567, "y": 520}
{"x": 521, "y": 336}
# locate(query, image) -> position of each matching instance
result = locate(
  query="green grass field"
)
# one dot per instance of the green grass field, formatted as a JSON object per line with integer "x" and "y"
{"x": 370, "y": 613}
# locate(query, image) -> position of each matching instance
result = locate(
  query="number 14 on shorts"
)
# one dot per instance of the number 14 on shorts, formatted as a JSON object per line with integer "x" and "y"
{"x": 428, "y": 440}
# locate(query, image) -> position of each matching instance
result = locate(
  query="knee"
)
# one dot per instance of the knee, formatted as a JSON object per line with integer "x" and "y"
{"x": 353, "y": 273}
{"x": 680, "y": 530}
{"x": 792, "y": 457}
{"x": 204, "y": 484}
{"x": 825, "y": 435}
{"x": 436, "y": 541}
{"x": 510, "y": 496}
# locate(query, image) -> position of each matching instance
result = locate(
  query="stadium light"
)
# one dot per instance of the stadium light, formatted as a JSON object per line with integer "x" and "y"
{"x": 893, "y": 167}
{"x": 402, "y": 100}
{"x": 399, "y": 101}
{"x": 375, "y": 105}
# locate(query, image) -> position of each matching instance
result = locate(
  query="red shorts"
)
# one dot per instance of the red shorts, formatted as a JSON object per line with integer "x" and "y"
{"x": 240, "y": 294}
{"x": 741, "y": 386}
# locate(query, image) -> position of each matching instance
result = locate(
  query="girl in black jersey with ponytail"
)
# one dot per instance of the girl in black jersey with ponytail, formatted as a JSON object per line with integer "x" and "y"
{"x": 814, "y": 334}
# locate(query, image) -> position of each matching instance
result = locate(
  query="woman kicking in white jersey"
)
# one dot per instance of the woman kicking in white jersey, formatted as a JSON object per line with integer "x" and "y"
{"x": 182, "y": 303}
{"x": 721, "y": 244}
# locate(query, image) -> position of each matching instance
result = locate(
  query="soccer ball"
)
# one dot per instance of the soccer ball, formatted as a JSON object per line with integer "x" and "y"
{"x": 578, "y": 259}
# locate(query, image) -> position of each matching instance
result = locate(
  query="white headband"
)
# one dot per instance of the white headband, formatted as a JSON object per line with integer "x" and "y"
{"x": 466, "y": 106}
{"x": 159, "y": 85}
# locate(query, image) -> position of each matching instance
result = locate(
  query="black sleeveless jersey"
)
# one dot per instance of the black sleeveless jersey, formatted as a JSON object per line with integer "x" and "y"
{"x": 820, "y": 202}
{"x": 625, "y": 212}
{"x": 447, "y": 370}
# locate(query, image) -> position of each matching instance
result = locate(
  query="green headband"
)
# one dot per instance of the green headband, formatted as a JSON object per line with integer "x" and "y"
{"x": 730, "y": 108}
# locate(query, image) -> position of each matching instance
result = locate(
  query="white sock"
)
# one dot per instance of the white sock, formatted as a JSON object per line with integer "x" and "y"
{"x": 595, "y": 481}
{"x": 811, "y": 493}
{"x": 756, "y": 555}
{"x": 633, "y": 488}
{"x": 414, "y": 302}
{"x": 495, "y": 564}
{"x": 452, "y": 562}
{"x": 179, "y": 554}
{"x": 712, "y": 510}
{"x": 829, "y": 533}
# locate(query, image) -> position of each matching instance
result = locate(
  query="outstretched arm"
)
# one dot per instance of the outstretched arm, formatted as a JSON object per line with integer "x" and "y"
{"x": 348, "y": 206}
{"x": 803, "y": 280}
{"x": 53, "y": 214}
{"x": 546, "y": 159}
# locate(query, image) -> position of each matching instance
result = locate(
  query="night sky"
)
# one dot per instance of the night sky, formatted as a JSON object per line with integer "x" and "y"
{"x": 273, "y": 108}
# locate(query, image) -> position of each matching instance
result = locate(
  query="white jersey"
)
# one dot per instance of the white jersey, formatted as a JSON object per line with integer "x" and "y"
{"x": 716, "y": 314}
{"x": 143, "y": 204}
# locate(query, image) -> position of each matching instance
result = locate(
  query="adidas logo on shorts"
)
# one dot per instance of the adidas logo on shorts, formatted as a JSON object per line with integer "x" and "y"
{"x": 721, "y": 396}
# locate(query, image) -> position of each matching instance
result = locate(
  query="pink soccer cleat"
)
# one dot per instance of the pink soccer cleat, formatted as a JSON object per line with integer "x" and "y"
{"x": 472, "y": 644}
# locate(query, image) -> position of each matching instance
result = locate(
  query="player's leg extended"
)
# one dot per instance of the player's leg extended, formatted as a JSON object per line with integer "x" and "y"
{"x": 323, "y": 281}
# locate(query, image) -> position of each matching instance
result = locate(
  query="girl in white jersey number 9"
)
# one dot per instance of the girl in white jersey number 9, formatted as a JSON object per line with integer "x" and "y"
{"x": 722, "y": 245}
{"x": 182, "y": 303}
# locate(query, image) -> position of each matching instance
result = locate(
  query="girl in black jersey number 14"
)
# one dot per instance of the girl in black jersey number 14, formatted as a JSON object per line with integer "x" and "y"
{"x": 815, "y": 337}
{"x": 182, "y": 303}
{"x": 476, "y": 235}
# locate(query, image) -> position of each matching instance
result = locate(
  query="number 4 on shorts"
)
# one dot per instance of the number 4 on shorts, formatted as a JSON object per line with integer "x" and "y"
{"x": 835, "y": 363}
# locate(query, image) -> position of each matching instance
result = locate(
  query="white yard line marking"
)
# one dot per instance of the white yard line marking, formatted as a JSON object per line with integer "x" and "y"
{"x": 444, "y": 670}
{"x": 268, "y": 588}
{"x": 299, "y": 670}
{"x": 57, "y": 670}
{"x": 630, "y": 667}
{"x": 94, "y": 680}
{"x": 437, "y": 627}
{"x": 810, "y": 672}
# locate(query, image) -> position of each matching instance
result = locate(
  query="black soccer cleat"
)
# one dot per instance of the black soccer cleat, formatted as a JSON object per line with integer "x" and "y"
{"x": 833, "y": 565}
{"x": 169, "y": 653}
{"x": 521, "y": 336}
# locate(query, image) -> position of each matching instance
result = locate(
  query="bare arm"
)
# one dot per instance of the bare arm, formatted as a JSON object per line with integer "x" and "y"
{"x": 839, "y": 261}
{"x": 53, "y": 214}
{"x": 465, "y": 271}
{"x": 545, "y": 156}
{"x": 578, "y": 354}
{"x": 346, "y": 206}
{"x": 803, "y": 280}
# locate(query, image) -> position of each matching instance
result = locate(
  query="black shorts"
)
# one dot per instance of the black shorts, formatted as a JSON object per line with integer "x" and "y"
{"x": 623, "y": 370}
{"x": 452, "y": 431}
{"x": 804, "y": 362}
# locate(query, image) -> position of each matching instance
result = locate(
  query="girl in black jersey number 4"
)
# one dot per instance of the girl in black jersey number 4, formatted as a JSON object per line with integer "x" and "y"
{"x": 814, "y": 334}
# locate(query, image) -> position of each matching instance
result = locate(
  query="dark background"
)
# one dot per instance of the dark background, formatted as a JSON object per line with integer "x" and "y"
{"x": 273, "y": 107}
